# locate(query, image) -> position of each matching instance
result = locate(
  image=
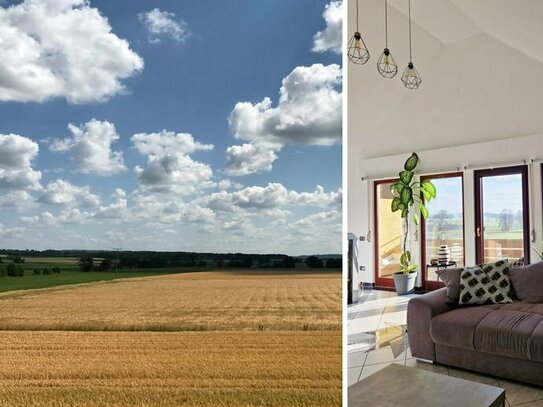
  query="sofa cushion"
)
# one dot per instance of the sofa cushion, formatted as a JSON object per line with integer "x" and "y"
{"x": 537, "y": 343}
{"x": 456, "y": 328}
{"x": 527, "y": 282}
{"x": 451, "y": 278}
{"x": 509, "y": 333}
{"x": 485, "y": 284}
{"x": 524, "y": 307}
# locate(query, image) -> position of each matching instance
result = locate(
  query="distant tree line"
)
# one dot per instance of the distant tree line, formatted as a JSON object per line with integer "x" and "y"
{"x": 316, "y": 263}
{"x": 101, "y": 260}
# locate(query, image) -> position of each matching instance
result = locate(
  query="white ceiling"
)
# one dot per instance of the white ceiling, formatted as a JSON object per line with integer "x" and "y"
{"x": 481, "y": 62}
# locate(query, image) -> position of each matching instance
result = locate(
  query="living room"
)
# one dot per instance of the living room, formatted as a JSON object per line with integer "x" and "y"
{"x": 472, "y": 119}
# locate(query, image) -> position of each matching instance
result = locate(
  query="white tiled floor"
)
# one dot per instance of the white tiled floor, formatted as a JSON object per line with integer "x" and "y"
{"x": 386, "y": 313}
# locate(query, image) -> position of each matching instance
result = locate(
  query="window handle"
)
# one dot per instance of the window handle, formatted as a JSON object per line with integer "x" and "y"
{"x": 478, "y": 231}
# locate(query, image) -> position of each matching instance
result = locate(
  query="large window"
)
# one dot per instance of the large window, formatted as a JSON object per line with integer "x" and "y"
{"x": 502, "y": 216}
{"x": 388, "y": 228}
{"x": 445, "y": 224}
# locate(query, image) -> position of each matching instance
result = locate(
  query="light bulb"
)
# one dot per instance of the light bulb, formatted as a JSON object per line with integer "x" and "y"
{"x": 411, "y": 78}
{"x": 386, "y": 65}
{"x": 357, "y": 52}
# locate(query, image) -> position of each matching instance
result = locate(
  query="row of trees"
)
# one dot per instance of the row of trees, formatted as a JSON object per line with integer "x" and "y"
{"x": 315, "y": 263}
{"x": 46, "y": 271}
{"x": 86, "y": 263}
{"x": 12, "y": 270}
{"x": 17, "y": 270}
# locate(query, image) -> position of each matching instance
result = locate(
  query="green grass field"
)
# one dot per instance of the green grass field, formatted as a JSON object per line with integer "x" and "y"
{"x": 70, "y": 274}
{"x": 30, "y": 281}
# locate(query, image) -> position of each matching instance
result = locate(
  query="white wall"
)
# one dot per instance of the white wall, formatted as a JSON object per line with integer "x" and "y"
{"x": 512, "y": 151}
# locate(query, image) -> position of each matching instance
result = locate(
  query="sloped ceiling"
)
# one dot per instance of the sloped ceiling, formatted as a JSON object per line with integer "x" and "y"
{"x": 481, "y": 62}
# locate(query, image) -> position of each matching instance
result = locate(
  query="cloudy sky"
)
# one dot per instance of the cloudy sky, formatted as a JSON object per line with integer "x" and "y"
{"x": 171, "y": 125}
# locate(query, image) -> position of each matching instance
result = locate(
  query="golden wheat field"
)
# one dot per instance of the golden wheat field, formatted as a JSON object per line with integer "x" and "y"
{"x": 183, "y": 302}
{"x": 195, "y": 339}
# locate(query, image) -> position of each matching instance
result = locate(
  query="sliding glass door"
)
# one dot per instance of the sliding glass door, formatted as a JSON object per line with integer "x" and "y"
{"x": 388, "y": 232}
{"x": 443, "y": 227}
{"x": 502, "y": 214}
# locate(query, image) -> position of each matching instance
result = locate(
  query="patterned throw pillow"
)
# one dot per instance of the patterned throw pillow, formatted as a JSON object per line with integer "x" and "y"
{"x": 485, "y": 284}
{"x": 517, "y": 263}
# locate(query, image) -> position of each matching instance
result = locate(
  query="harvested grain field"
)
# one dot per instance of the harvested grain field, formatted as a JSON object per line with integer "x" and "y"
{"x": 263, "y": 339}
{"x": 170, "y": 368}
{"x": 183, "y": 302}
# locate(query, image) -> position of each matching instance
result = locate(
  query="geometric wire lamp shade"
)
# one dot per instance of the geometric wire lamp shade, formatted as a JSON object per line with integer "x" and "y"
{"x": 387, "y": 65}
{"x": 357, "y": 51}
{"x": 411, "y": 78}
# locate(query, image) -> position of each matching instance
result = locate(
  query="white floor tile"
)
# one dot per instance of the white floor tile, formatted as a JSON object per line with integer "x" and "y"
{"x": 352, "y": 375}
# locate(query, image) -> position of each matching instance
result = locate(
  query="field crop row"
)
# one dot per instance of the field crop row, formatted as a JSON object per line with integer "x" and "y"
{"x": 183, "y": 302}
{"x": 170, "y": 368}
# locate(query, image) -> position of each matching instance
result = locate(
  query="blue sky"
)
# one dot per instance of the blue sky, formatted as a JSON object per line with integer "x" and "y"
{"x": 500, "y": 192}
{"x": 207, "y": 126}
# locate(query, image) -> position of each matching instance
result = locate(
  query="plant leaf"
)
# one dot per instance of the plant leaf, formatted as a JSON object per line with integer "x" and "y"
{"x": 426, "y": 194}
{"x": 405, "y": 212}
{"x": 406, "y": 195}
{"x": 411, "y": 162}
{"x": 406, "y": 177}
{"x": 428, "y": 186}
{"x": 397, "y": 187}
{"x": 416, "y": 219}
{"x": 405, "y": 258}
{"x": 424, "y": 212}
{"x": 396, "y": 204}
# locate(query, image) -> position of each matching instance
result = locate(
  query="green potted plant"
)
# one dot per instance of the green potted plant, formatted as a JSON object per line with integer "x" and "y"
{"x": 407, "y": 192}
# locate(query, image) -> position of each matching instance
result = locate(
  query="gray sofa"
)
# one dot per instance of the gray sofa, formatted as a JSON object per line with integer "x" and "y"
{"x": 504, "y": 340}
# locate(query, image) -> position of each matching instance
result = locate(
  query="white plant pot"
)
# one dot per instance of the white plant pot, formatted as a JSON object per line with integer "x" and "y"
{"x": 405, "y": 283}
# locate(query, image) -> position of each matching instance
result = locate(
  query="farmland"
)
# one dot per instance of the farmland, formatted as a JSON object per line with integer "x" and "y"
{"x": 70, "y": 274}
{"x": 246, "y": 338}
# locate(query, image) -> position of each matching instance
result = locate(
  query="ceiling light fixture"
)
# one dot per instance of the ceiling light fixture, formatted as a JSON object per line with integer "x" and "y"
{"x": 386, "y": 65}
{"x": 411, "y": 78}
{"x": 357, "y": 52}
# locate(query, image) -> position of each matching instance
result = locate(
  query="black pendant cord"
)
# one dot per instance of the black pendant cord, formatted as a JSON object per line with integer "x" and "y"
{"x": 386, "y": 24}
{"x": 356, "y": 15}
{"x": 410, "y": 53}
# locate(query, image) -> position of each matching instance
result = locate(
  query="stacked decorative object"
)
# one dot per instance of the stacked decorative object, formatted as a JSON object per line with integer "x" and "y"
{"x": 444, "y": 254}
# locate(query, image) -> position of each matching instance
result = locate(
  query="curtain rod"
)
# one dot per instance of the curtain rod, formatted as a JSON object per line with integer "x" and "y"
{"x": 436, "y": 172}
{"x": 461, "y": 169}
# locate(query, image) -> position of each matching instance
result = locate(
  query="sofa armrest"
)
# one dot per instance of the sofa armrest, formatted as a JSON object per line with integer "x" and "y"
{"x": 420, "y": 311}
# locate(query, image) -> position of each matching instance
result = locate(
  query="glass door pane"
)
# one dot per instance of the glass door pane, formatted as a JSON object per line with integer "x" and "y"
{"x": 502, "y": 219}
{"x": 388, "y": 232}
{"x": 445, "y": 223}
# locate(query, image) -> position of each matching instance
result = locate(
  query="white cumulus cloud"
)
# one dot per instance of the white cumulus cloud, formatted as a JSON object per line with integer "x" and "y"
{"x": 62, "y": 192}
{"x": 90, "y": 146}
{"x": 250, "y": 158}
{"x": 309, "y": 112}
{"x": 164, "y": 24}
{"x": 16, "y": 156}
{"x": 330, "y": 38}
{"x": 65, "y": 48}
{"x": 170, "y": 169}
